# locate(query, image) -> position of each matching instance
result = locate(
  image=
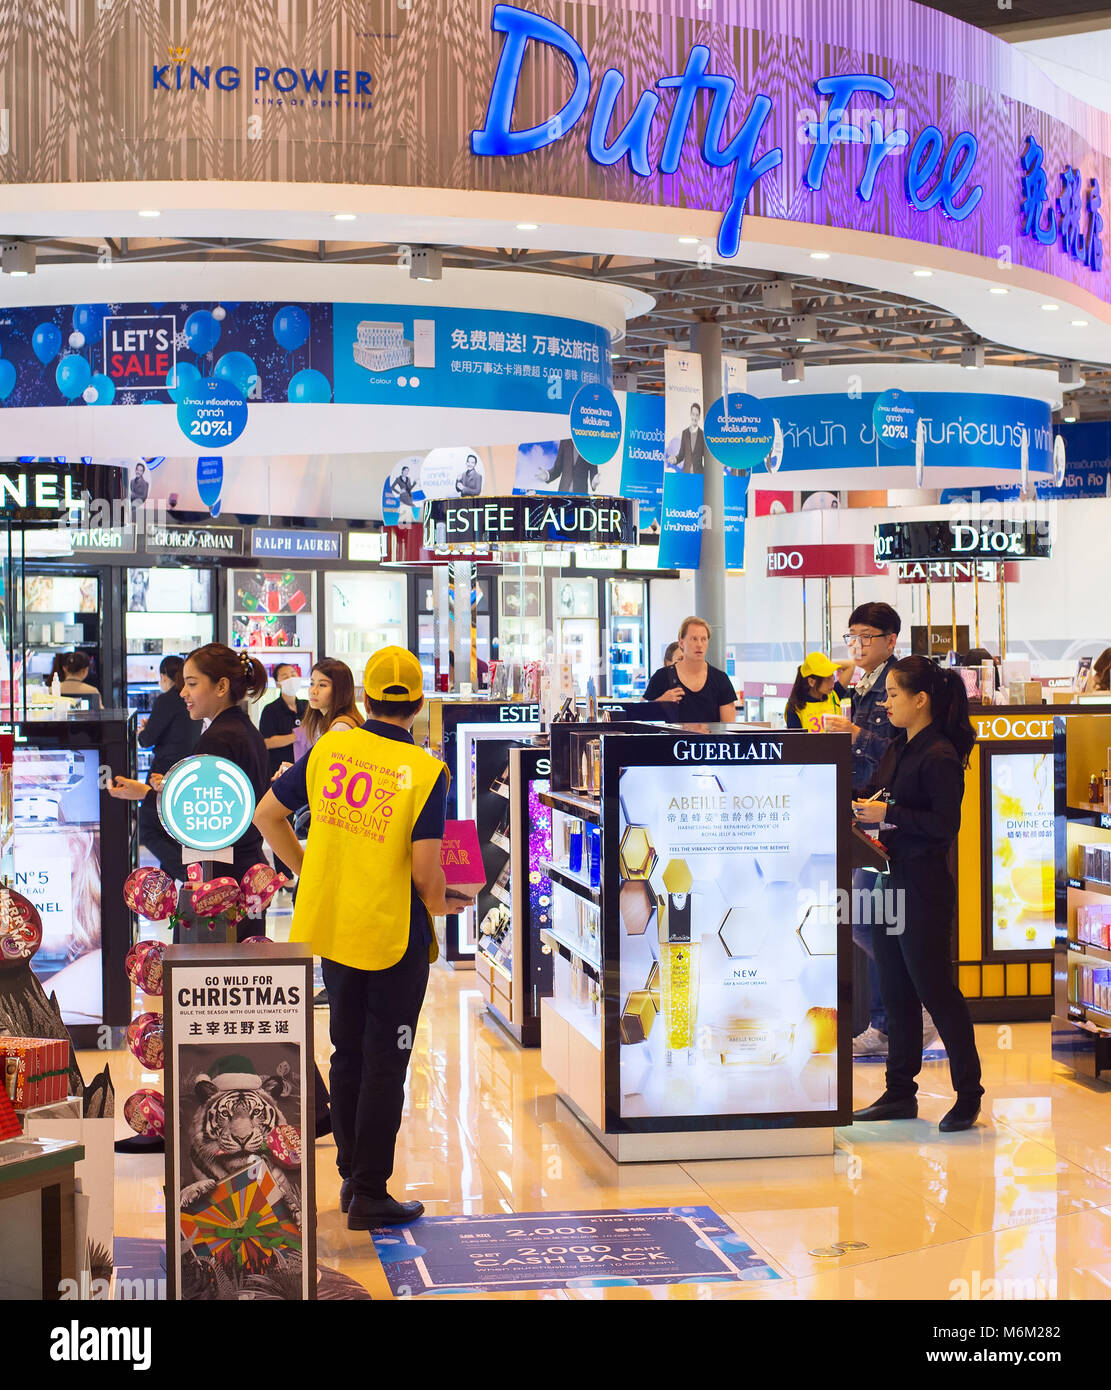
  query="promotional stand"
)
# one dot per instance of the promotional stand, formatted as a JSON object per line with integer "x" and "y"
{"x": 702, "y": 970}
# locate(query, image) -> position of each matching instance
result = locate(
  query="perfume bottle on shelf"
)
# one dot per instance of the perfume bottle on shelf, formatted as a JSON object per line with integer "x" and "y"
{"x": 679, "y": 961}
{"x": 500, "y": 889}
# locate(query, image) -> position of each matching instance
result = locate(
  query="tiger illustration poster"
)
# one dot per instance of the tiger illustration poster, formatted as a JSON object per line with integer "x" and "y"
{"x": 239, "y": 1122}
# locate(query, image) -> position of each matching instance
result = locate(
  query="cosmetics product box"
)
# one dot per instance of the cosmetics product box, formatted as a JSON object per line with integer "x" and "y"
{"x": 35, "y": 1070}
{"x": 461, "y": 857}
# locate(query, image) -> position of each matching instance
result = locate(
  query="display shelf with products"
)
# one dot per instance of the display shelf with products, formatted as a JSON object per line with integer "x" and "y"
{"x": 626, "y": 637}
{"x": 363, "y": 613}
{"x": 271, "y": 612}
{"x": 1081, "y": 1030}
{"x": 724, "y": 1026}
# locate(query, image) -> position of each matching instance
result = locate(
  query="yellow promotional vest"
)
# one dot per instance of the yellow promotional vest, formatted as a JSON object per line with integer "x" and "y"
{"x": 365, "y": 794}
{"x": 810, "y": 716}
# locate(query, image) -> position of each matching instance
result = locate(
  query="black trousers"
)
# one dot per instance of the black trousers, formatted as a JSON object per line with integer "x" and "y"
{"x": 166, "y": 850}
{"x": 915, "y": 969}
{"x": 374, "y": 1017}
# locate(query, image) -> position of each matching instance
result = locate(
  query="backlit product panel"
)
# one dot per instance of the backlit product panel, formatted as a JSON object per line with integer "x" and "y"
{"x": 728, "y": 940}
{"x": 1022, "y": 872}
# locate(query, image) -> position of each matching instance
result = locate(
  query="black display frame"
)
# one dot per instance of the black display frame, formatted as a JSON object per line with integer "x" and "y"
{"x": 659, "y": 750}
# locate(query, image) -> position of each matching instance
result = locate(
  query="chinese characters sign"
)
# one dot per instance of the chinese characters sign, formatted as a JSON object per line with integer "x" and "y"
{"x": 1073, "y": 216}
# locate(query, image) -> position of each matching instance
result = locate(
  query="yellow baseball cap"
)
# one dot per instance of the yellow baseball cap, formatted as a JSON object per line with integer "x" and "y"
{"x": 393, "y": 674}
{"x": 818, "y": 664}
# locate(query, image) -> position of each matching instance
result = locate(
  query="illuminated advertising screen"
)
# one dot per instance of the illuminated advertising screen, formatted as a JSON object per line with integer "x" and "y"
{"x": 728, "y": 940}
{"x": 1021, "y": 821}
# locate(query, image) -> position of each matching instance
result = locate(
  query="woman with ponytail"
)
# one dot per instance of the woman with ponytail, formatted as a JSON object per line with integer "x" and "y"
{"x": 922, "y": 781}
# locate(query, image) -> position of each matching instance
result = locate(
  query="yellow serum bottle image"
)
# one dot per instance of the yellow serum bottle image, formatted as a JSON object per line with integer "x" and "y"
{"x": 679, "y": 962}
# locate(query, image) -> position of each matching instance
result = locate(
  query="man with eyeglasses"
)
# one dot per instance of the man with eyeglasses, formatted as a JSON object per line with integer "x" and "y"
{"x": 871, "y": 638}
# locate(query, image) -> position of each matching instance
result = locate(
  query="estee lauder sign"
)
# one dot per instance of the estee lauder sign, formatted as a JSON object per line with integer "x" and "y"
{"x": 508, "y": 521}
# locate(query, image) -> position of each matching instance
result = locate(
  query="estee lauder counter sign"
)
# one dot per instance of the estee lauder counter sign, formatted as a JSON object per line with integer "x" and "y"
{"x": 507, "y": 521}
{"x": 926, "y": 541}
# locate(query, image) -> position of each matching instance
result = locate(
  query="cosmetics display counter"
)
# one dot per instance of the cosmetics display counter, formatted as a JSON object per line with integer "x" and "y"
{"x": 701, "y": 968}
{"x": 1081, "y": 1033}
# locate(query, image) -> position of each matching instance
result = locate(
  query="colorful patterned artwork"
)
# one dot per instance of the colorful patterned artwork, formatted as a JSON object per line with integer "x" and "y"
{"x": 243, "y": 1221}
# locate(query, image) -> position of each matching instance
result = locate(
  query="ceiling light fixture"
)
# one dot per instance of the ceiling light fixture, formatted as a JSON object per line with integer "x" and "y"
{"x": 803, "y": 327}
{"x": 1068, "y": 419}
{"x": 343, "y": 217}
{"x": 1078, "y": 323}
{"x": 819, "y": 255}
{"x": 688, "y": 240}
{"x": 1050, "y": 308}
{"x": 923, "y": 274}
{"x": 998, "y": 289}
{"x": 972, "y": 358}
{"x": 426, "y": 264}
{"x": 793, "y": 371}
{"x": 149, "y": 212}
{"x": 17, "y": 258}
{"x": 528, "y": 226}
{"x": 1070, "y": 374}
{"x": 777, "y": 295}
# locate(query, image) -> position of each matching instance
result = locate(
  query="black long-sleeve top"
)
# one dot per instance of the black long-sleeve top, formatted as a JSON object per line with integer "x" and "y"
{"x": 925, "y": 785}
{"x": 169, "y": 731}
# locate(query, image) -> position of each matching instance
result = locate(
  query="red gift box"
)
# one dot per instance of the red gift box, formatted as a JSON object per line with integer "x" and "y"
{"x": 42, "y": 1077}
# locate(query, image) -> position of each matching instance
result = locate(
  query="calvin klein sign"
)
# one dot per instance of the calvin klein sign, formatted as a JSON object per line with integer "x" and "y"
{"x": 510, "y": 521}
{"x": 929, "y": 541}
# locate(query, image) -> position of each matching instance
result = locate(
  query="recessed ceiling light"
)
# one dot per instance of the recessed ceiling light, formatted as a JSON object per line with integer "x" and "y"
{"x": 689, "y": 240}
{"x": 1078, "y": 323}
{"x": 149, "y": 212}
{"x": 527, "y": 226}
{"x": 819, "y": 255}
{"x": 923, "y": 274}
{"x": 998, "y": 289}
{"x": 343, "y": 217}
{"x": 1070, "y": 419}
{"x": 1051, "y": 308}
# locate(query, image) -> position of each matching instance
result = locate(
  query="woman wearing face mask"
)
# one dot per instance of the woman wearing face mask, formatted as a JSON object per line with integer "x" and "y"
{"x": 280, "y": 720}
{"x": 172, "y": 734}
{"x": 217, "y": 681}
{"x": 922, "y": 780}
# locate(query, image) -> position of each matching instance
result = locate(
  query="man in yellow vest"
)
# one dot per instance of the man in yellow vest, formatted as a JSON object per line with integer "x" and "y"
{"x": 370, "y": 878}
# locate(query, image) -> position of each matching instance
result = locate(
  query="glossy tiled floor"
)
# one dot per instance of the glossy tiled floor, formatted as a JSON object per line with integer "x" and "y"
{"x": 1024, "y": 1198}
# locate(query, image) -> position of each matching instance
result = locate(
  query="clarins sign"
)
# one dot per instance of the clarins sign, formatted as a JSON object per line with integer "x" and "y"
{"x": 926, "y": 541}
{"x": 508, "y": 521}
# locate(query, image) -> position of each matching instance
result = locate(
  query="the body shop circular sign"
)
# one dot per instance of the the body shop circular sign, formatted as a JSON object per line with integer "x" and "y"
{"x": 206, "y": 803}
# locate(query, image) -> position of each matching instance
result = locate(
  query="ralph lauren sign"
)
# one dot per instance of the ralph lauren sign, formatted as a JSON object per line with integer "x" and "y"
{"x": 509, "y": 521}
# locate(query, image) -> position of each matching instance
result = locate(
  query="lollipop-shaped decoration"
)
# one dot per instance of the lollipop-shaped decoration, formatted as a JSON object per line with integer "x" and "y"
{"x": 259, "y": 885}
{"x": 143, "y": 964}
{"x": 20, "y": 928}
{"x": 255, "y": 941}
{"x": 284, "y": 1142}
{"x": 145, "y": 1112}
{"x": 211, "y": 898}
{"x": 144, "y": 1039}
{"x": 151, "y": 893}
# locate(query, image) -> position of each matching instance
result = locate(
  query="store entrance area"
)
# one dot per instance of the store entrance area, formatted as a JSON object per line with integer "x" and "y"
{"x": 1023, "y": 1200}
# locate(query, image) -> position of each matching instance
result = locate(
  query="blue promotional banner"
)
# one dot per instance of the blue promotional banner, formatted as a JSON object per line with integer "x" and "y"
{"x": 736, "y": 509}
{"x": 301, "y": 354}
{"x": 895, "y": 418}
{"x": 210, "y": 480}
{"x": 395, "y": 354}
{"x": 212, "y": 413}
{"x": 961, "y": 431}
{"x": 739, "y": 430}
{"x": 596, "y": 424}
{"x": 642, "y": 464}
{"x": 295, "y": 545}
{"x": 681, "y": 522}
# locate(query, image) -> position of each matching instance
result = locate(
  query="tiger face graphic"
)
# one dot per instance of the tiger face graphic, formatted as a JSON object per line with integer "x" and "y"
{"x": 230, "y": 1131}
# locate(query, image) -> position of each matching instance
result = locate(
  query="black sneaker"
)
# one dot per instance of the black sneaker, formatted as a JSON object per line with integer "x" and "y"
{"x": 889, "y": 1108}
{"x": 368, "y": 1213}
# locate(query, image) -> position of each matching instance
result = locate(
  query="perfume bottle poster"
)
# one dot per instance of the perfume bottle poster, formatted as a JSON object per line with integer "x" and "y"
{"x": 729, "y": 988}
{"x": 1022, "y": 871}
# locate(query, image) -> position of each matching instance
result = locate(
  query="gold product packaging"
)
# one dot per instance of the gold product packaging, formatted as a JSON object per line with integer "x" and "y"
{"x": 679, "y": 962}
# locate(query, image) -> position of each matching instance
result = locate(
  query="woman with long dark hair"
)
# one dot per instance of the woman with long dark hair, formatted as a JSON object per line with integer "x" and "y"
{"x": 331, "y": 703}
{"x": 921, "y": 778}
{"x": 172, "y": 734}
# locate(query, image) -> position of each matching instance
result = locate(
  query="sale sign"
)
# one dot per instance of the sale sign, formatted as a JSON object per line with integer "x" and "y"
{"x": 140, "y": 350}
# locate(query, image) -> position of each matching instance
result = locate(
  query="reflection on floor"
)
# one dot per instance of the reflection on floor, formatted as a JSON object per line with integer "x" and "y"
{"x": 1024, "y": 1198}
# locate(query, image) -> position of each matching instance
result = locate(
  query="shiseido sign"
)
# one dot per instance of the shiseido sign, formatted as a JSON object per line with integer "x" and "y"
{"x": 926, "y": 541}
{"x": 509, "y": 521}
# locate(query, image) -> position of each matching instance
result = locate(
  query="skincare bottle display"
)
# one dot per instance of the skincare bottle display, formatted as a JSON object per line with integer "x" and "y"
{"x": 575, "y": 849}
{"x": 679, "y": 953}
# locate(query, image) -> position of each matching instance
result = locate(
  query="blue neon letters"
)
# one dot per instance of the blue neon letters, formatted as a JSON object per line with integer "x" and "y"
{"x": 497, "y": 136}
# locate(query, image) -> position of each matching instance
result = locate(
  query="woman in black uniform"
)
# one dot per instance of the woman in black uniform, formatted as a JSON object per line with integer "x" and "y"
{"x": 922, "y": 773}
{"x": 172, "y": 735}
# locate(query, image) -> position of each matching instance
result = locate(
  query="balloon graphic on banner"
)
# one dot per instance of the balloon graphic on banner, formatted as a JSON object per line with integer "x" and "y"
{"x": 7, "y": 378}
{"x": 104, "y": 389}
{"x": 595, "y": 424}
{"x": 1058, "y": 449}
{"x": 76, "y": 340}
{"x": 895, "y": 418}
{"x": 45, "y": 342}
{"x": 181, "y": 379}
{"x": 88, "y": 319}
{"x": 202, "y": 332}
{"x": 210, "y": 480}
{"x": 738, "y": 431}
{"x": 291, "y": 327}
{"x": 219, "y": 313}
{"x": 72, "y": 374}
{"x": 238, "y": 370}
{"x": 920, "y": 452}
{"x": 309, "y": 387}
